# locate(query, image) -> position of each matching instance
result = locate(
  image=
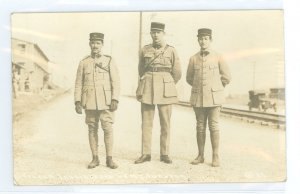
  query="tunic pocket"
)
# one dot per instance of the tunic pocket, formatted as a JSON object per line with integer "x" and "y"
{"x": 218, "y": 97}
{"x": 107, "y": 93}
{"x": 217, "y": 91}
{"x": 140, "y": 88}
{"x": 212, "y": 66}
{"x": 100, "y": 74}
{"x": 84, "y": 97}
{"x": 169, "y": 87}
{"x": 167, "y": 60}
{"x": 88, "y": 76}
{"x": 148, "y": 57}
{"x": 196, "y": 67}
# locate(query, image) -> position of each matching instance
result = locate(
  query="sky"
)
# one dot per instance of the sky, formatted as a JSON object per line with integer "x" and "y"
{"x": 251, "y": 41}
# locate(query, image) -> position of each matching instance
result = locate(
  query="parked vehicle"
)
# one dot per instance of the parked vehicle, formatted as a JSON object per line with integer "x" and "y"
{"x": 258, "y": 99}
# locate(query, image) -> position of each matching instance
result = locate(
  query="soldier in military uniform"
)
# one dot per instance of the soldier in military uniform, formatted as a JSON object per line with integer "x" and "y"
{"x": 159, "y": 71}
{"x": 97, "y": 91}
{"x": 208, "y": 75}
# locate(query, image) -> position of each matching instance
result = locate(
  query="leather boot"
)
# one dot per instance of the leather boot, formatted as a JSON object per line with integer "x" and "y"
{"x": 93, "y": 140}
{"x": 143, "y": 158}
{"x": 110, "y": 163}
{"x": 201, "y": 143}
{"x": 215, "y": 136}
{"x": 166, "y": 159}
{"x": 95, "y": 162}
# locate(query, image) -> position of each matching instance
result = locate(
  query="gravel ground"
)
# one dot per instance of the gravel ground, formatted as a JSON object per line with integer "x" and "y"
{"x": 51, "y": 148}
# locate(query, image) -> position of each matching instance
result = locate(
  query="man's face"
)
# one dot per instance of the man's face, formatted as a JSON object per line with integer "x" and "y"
{"x": 204, "y": 42}
{"x": 157, "y": 36}
{"x": 96, "y": 46}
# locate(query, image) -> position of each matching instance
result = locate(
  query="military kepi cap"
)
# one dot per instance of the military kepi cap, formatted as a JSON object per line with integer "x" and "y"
{"x": 204, "y": 32}
{"x": 96, "y": 36}
{"x": 157, "y": 26}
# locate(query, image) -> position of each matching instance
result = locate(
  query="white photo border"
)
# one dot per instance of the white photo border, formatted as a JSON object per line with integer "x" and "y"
{"x": 292, "y": 100}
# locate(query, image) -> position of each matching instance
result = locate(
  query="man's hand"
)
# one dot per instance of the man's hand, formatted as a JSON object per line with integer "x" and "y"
{"x": 224, "y": 84}
{"x": 114, "y": 105}
{"x": 78, "y": 108}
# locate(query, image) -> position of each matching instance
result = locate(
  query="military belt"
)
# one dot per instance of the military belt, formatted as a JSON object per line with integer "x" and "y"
{"x": 158, "y": 69}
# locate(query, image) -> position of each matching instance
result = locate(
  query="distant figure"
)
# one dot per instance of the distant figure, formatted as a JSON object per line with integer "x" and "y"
{"x": 208, "y": 75}
{"x": 15, "y": 81}
{"x": 159, "y": 71}
{"x": 97, "y": 91}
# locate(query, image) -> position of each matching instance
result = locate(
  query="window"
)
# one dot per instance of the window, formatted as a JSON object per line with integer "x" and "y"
{"x": 21, "y": 48}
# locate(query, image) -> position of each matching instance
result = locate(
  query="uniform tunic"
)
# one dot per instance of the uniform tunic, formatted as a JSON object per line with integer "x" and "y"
{"x": 97, "y": 83}
{"x": 158, "y": 87}
{"x": 207, "y": 74}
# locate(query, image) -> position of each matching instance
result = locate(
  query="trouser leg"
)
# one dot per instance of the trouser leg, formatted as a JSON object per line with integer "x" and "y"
{"x": 165, "y": 112}
{"x": 201, "y": 117}
{"x": 213, "y": 122}
{"x": 107, "y": 119}
{"x": 147, "y": 124}
{"x": 93, "y": 140}
{"x": 92, "y": 120}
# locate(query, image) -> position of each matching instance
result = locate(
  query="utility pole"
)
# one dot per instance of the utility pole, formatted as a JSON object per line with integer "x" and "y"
{"x": 140, "y": 32}
{"x": 254, "y": 64}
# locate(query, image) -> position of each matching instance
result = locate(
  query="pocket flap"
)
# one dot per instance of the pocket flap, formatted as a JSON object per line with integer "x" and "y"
{"x": 196, "y": 67}
{"x": 196, "y": 90}
{"x": 87, "y": 71}
{"x": 148, "y": 55}
{"x": 168, "y": 79}
{"x": 213, "y": 66}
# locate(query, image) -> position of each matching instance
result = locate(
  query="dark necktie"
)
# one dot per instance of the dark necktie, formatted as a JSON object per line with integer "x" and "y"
{"x": 204, "y": 53}
{"x": 157, "y": 46}
{"x": 97, "y": 55}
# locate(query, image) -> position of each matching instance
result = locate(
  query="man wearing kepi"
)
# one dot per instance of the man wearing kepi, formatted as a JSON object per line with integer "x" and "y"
{"x": 97, "y": 91}
{"x": 159, "y": 71}
{"x": 208, "y": 75}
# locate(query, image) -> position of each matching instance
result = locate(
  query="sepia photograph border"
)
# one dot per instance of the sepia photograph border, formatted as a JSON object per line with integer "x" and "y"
{"x": 6, "y": 165}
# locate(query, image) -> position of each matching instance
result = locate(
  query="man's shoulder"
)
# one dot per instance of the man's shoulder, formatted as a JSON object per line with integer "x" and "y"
{"x": 107, "y": 57}
{"x": 195, "y": 55}
{"x": 147, "y": 47}
{"x": 171, "y": 48}
{"x": 86, "y": 58}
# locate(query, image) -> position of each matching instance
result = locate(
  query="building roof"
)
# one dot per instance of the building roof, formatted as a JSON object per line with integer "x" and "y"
{"x": 35, "y": 45}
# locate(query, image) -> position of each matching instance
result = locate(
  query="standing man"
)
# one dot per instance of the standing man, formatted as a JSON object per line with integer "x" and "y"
{"x": 159, "y": 71}
{"x": 97, "y": 91}
{"x": 15, "y": 80}
{"x": 208, "y": 74}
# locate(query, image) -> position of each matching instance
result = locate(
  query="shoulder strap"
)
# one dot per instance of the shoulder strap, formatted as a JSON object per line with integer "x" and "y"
{"x": 150, "y": 63}
{"x": 106, "y": 68}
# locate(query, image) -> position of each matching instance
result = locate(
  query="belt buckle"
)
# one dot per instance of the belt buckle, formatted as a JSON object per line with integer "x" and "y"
{"x": 155, "y": 69}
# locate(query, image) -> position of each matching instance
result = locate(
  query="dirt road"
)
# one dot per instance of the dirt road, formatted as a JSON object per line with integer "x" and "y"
{"x": 51, "y": 147}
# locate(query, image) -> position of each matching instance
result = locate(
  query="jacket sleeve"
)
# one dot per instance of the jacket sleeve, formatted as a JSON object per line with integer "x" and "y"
{"x": 224, "y": 72}
{"x": 176, "y": 68}
{"x": 78, "y": 83}
{"x": 115, "y": 80}
{"x": 141, "y": 64}
{"x": 190, "y": 73}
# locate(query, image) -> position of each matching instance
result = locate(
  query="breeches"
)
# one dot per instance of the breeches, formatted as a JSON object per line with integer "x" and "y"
{"x": 207, "y": 114}
{"x": 106, "y": 118}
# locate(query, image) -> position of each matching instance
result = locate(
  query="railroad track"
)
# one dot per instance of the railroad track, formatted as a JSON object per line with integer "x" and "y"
{"x": 254, "y": 115}
{"x": 263, "y": 118}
